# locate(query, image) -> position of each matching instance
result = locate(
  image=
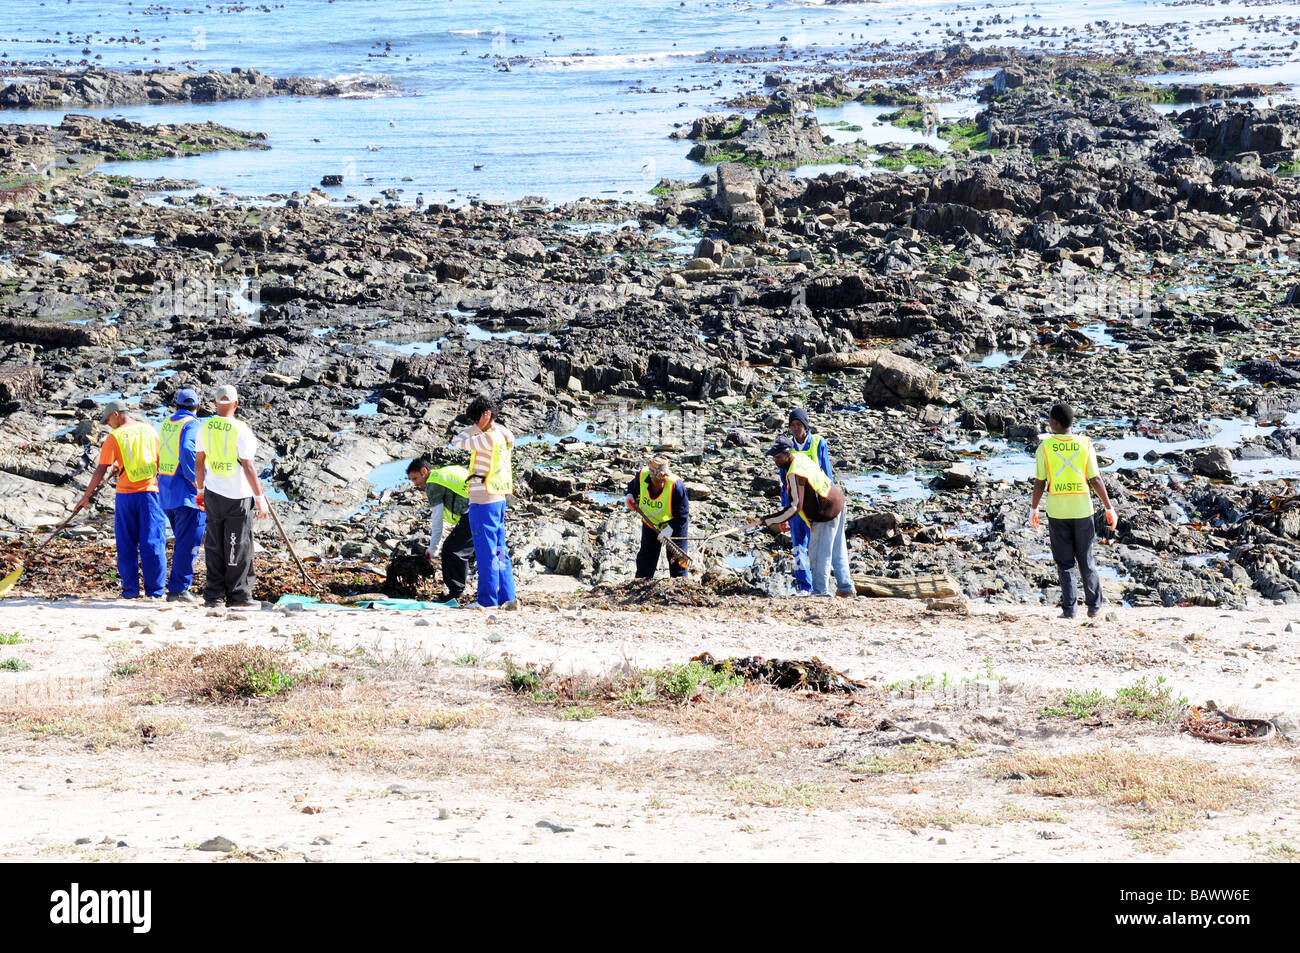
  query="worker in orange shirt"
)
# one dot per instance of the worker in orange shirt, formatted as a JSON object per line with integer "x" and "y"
{"x": 138, "y": 520}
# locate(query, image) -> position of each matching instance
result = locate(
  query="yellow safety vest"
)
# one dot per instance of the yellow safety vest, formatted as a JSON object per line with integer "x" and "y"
{"x": 657, "y": 509}
{"x": 454, "y": 478}
{"x": 498, "y": 479}
{"x": 810, "y": 470}
{"x": 138, "y": 444}
{"x": 169, "y": 454}
{"x": 802, "y": 466}
{"x": 1067, "y": 465}
{"x": 814, "y": 445}
{"x": 221, "y": 442}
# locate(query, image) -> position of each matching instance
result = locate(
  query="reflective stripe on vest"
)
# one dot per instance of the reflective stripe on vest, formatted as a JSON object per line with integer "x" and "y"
{"x": 498, "y": 479}
{"x": 169, "y": 453}
{"x": 138, "y": 445}
{"x": 455, "y": 479}
{"x": 657, "y": 509}
{"x": 221, "y": 443}
{"x": 1067, "y": 463}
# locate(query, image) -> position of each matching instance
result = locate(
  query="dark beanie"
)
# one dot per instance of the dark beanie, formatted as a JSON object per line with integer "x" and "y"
{"x": 801, "y": 415}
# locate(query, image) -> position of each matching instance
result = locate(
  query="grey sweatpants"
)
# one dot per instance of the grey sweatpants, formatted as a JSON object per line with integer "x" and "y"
{"x": 1072, "y": 542}
{"x": 228, "y": 548}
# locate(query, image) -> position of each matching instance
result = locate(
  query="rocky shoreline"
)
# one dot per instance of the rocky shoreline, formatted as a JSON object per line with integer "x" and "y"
{"x": 94, "y": 88}
{"x": 1072, "y": 241}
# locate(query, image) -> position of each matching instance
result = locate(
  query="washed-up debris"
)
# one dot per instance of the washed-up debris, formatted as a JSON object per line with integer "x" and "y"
{"x": 64, "y": 567}
{"x": 705, "y": 590}
{"x": 933, "y": 586}
{"x": 88, "y": 569}
{"x": 410, "y": 576}
{"x": 812, "y": 674}
{"x": 1216, "y": 725}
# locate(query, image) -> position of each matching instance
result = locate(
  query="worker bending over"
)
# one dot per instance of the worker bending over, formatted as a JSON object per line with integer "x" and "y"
{"x": 448, "y": 493}
{"x": 660, "y": 499}
{"x": 812, "y": 445}
{"x": 820, "y": 503}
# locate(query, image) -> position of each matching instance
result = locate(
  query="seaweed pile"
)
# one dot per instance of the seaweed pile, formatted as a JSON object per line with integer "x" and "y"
{"x": 808, "y": 674}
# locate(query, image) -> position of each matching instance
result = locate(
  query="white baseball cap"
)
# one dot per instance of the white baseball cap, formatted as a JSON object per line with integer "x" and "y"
{"x": 226, "y": 394}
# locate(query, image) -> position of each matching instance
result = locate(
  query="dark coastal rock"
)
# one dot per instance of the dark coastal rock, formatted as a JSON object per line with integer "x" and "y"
{"x": 1215, "y": 463}
{"x": 897, "y": 379}
{"x": 97, "y": 87}
{"x": 1099, "y": 246}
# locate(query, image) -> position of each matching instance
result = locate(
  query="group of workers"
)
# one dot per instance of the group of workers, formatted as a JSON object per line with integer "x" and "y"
{"x": 472, "y": 501}
{"x": 198, "y": 475}
{"x": 813, "y": 510}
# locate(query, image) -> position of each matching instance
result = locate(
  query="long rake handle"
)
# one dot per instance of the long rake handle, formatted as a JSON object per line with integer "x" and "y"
{"x": 64, "y": 525}
{"x": 672, "y": 547}
{"x": 285, "y": 536}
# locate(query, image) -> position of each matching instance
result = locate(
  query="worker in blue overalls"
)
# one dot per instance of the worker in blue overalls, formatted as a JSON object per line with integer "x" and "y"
{"x": 176, "y": 490}
{"x": 812, "y": 445}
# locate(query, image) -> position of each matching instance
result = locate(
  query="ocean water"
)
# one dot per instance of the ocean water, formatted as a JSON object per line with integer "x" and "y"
{"x": 556, "y": 98}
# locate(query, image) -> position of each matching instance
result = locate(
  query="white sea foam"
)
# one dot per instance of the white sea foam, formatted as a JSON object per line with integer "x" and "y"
{"x": 601, "y": 61}
{"x": 363, "y": 82}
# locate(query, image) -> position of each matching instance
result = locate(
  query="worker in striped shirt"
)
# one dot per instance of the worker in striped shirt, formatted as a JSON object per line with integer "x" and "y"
{"x": 490, "y": 445}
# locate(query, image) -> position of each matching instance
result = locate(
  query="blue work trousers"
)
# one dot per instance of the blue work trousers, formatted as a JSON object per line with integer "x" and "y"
{"x": 496, "y": 576}
{"x": 141, "y": 531}
{"x": 799, "y": 536}
{"x": 188, "y": 525}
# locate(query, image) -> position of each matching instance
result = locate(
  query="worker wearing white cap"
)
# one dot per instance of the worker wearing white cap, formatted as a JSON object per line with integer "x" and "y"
{"x": 228, "y": 491}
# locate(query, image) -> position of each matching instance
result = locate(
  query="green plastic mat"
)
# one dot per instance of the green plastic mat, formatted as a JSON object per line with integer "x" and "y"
{"x": 307, "y": 602}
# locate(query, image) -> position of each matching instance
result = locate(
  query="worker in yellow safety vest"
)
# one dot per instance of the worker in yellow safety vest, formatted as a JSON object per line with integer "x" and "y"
{"x": 813, "y": 446}
{"x": 229, "y": 492}
{"x": 662, "y": 502}
{"x": 1066, "y": 469}
{"x": 178, "y": 436}
{"x": 139, "y": 525}
{"x": 812, "y": 497}
{"x": 447, "y": 489}
{"x": 490, "y": 482}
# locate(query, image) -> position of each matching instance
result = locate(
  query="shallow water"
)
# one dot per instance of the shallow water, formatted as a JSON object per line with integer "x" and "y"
{"x": 993, "y": 359}
{"x": 590, "y": 93}
{"x": 739, "y": 561}
{"x": 410, "y": 347}
{"x": 586, "y": 432}
{"x": 389, "y": 476}
{"x": 880, "y": 485}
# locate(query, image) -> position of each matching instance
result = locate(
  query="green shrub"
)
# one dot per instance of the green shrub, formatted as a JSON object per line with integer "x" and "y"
{"x": 684, "y": 682}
